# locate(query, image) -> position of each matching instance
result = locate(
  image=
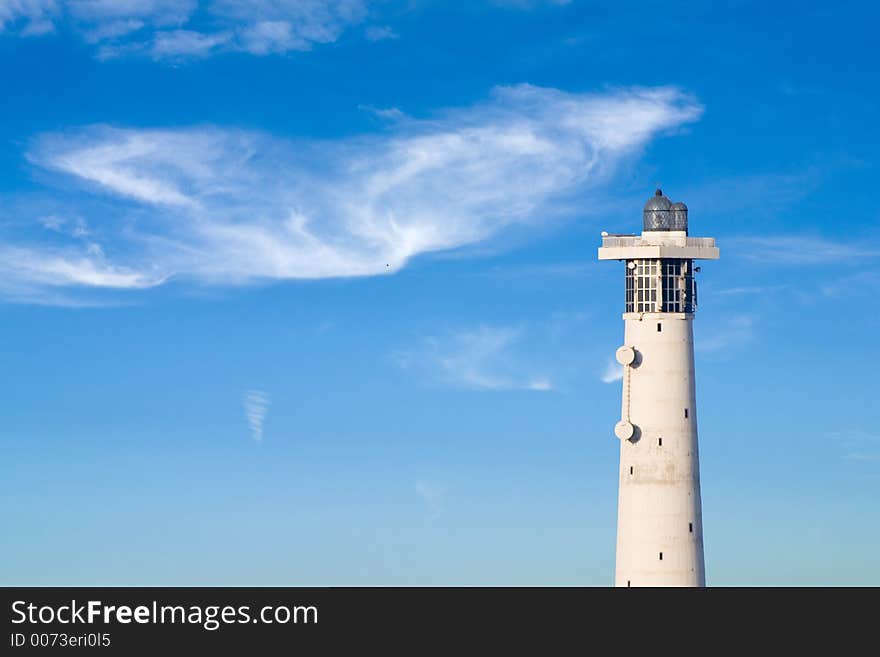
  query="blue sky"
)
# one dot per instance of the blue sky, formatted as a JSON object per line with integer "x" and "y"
{"x": 306, "y": 292}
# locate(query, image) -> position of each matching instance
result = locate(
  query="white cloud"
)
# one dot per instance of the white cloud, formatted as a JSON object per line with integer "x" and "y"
{"x": 762, "y": 196}
{"x": 863, "y": 457}
{"x": 802, "y": 249}
{"x": 28, "y": 17}
{"x": 380, "y": 33}
{"x": 859, "y": 283}
{"x": 72, "y": 226}
{"x": 386, "y": 113}
{"x": 183, "y": 29}
{"x": 483, "y": 358}
{"x": 858, "y": 445}
{"x": 256, "y": 404}
{"x": 543, "y": 270}
{"x": 529, "y": 4}
{"x": 173, "y": 44}
{"x": 227, "y": 206}
{"x": 49, "y": 268}
{"x": 748, "y": 290}
{"x": 433, "y": 495}
{"x": 735, "y": 331}
{"x": 613, "y": 372}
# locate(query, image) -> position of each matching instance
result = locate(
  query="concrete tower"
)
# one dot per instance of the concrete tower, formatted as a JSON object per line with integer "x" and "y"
{"x": 659, "y": 515}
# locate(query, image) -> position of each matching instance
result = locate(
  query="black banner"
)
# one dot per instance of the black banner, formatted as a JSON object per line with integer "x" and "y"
{"x": 422, "y": 620}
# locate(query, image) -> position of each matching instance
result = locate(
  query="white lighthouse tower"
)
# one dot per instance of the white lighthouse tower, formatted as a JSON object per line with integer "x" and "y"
{"x": 659, "y": 514}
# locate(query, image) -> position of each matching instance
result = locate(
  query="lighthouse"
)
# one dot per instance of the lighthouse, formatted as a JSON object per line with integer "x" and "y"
{"x": 659, "y": 513}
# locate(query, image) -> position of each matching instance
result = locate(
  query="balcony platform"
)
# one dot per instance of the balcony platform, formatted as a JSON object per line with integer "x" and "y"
{"x": 657, "y": 245}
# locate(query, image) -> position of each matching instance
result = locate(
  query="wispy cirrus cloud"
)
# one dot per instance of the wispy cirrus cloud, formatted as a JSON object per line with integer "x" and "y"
{"x": 256, "y": 405}
{"x": 59, "y": 268}
{"x": 760, "y": 196}
{"x": 482, "y": 358}
{"x": 735, "y": 331}
{"x": 802, "y": 249}
{"x": 222, "y": 205}
{"x": 858, "y": 445}
{"x": 28, "y": 17}
{"x": 380, "y": 33}
{"x": 854, "y": 284}
{"x": 529, "y": 4}
{"x": 180, "y": 30}
{"x": 748, "y": 290}
{"x": 432, "y": 494}
{"x": 187, "y": 29}
{"x": 613, "y": 372}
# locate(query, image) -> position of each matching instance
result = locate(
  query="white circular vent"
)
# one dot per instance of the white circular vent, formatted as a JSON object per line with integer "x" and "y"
{"x": 624, "y": 430}
{"x": 625, "y": 355}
